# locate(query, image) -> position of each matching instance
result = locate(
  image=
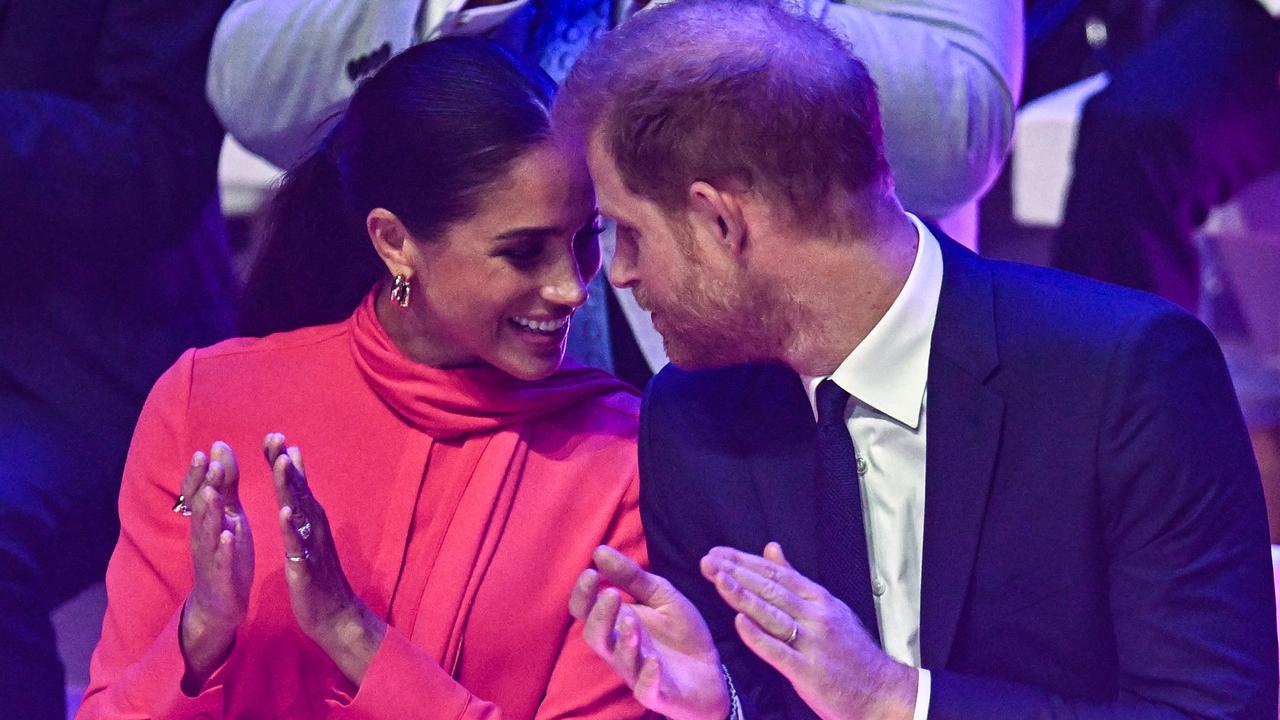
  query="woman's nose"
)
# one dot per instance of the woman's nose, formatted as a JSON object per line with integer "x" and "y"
{"x": 568, "y": 289}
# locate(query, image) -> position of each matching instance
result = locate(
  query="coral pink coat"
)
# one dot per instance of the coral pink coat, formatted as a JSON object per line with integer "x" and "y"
{"x": 463, "y": 503}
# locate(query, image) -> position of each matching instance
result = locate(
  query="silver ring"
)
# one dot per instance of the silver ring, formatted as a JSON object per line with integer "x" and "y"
{"x": 304, "y": 530}
{"x": 298, "y": 558}
{"x": 181, "y": 507}
{"x": 795, "y": 632}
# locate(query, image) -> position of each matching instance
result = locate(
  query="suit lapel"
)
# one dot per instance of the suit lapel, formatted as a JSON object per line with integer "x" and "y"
{"x": 777, "y": 438}
{"x": 964, "y": 423}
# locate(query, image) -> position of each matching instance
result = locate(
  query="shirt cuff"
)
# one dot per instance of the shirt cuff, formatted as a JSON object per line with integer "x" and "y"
{"x": 924, "y": 687}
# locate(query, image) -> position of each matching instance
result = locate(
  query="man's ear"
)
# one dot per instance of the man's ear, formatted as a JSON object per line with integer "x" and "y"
{"x": 390, "y": 240}
{"x": 718, "y": 213}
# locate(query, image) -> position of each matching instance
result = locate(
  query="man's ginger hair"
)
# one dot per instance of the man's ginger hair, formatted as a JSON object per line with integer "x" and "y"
{"x": 746, "y": 94}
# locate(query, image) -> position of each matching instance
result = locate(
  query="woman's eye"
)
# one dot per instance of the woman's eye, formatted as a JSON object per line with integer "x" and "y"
{"x": 589, "y": 233}
{"x": 521, "y": 254}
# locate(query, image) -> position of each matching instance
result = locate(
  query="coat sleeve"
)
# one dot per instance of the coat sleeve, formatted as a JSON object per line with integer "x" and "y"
{"x": 963, "y": 62}
{"x": 137, "y": 667}
{"x": 401, "y": 675}
{"x": 1191, "y": 594}
{"x": 306, "y": 57}
{"x": 132, "y": 154}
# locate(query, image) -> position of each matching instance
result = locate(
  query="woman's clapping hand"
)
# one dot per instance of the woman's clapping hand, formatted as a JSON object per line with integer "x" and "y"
{"x": 222, "y": 561}
{"x": 326, "y": 608}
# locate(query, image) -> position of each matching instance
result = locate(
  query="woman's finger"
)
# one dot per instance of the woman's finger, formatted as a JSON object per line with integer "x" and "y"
{"x": 191, "y": 483}
{"x": 295, "y": 454}
{"x": 272, "y": 445}
{"x": 296, "y": 553}
{"x": 230, "y": 485}
{"x": 206, "y": 525}
{"x": 309, "y": 520}
{"x": 280, "y": 481}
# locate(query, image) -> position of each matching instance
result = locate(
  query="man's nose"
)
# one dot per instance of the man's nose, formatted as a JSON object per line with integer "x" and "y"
{"x": 622, "y": 271}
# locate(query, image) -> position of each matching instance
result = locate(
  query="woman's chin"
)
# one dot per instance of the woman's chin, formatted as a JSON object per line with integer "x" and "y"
{"x": 531, "y": 366}
{"x": 530, "y": 355}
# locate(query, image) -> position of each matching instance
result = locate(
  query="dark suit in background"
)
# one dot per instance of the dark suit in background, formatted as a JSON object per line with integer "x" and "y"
{"x": 1095, "y": 544}
{"x": 112, "y": 261}
{"x": 1188, "y": 120}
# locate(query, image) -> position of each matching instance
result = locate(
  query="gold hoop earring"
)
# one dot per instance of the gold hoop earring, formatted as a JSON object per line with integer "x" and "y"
{"x": 400, "y": 290}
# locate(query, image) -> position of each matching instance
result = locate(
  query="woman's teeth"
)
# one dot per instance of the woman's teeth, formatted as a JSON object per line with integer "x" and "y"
{"x": 545, "y": 327}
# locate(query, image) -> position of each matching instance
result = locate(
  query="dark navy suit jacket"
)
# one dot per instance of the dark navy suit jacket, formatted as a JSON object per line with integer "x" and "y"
{"x": 1095, "y": 543}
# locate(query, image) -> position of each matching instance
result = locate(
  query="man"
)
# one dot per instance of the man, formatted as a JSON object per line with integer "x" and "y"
{"x": 1080, "y": 532}
{"x": 280, "y": 72}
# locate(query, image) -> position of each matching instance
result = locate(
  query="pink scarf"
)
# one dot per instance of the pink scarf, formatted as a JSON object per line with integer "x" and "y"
{"x": 459, "y": 401}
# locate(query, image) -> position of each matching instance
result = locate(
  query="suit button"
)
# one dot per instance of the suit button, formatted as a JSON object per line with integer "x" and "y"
{"x": 862, "y": 466}
{"x": 878, "y": 587}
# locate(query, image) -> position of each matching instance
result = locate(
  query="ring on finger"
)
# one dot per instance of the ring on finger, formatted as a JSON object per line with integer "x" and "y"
{"x": 303, "y": 529}
{"x": 298, "y": 558}
{"x": 181, "y": 507}
{"x": 795, "y": 632}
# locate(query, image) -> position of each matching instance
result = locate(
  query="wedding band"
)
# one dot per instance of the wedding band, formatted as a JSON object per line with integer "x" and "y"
{"x": 304, "y": 530}
{"x": 298, "y": 558}
{"x": 795, "y": 632}
{"x": 181, "y": 507}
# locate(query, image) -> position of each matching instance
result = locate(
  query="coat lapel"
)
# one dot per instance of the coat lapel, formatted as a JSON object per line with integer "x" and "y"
{"x": 777, "y": 438}
{"x": 965, "y": 419}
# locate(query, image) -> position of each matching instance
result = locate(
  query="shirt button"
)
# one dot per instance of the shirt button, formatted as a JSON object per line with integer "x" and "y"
{"x": 862, "y": 466}
{"x": 878, "y": 587}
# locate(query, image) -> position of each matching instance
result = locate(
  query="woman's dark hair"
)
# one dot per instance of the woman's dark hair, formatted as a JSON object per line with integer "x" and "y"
{"x": 424, "y": 137}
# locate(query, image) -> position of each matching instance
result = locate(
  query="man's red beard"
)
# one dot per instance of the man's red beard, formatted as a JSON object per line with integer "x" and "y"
{"x": 713, "y": 325}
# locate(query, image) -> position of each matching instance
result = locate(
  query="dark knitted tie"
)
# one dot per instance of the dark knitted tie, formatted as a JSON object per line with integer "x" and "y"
{"x": 843, "y": 564}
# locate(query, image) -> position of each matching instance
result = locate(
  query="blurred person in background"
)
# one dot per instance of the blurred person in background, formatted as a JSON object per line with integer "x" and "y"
{"x": 112, "y": 261}
{"x": 1191, "y": 115}
{"x": 949, "y": 72}
{"x": 415, "y": 289}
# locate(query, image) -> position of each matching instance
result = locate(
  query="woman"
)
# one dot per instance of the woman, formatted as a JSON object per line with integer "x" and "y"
{"x": 418, "y": 564}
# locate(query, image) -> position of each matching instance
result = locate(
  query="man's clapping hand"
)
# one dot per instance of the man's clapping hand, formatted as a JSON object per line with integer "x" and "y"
{"x": 810, "y": 637}
{"x": 658, "y": 644}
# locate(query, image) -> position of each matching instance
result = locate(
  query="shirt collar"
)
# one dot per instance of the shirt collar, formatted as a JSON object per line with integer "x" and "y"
{"x": 889, "y": 369}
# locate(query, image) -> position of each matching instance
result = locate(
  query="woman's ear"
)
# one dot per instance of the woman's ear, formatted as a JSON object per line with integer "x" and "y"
{"x": 390, "y": 240}
{"x": 718, "y": 213}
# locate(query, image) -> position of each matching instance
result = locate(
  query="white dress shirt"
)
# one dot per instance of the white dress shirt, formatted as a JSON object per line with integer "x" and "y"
{"x": 887, "y": 376}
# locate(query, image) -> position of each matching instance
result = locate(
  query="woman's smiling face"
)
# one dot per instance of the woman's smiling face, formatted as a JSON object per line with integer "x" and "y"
{"x": 501, "y": 286}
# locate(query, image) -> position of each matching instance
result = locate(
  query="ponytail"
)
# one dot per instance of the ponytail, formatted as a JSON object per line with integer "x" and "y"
{"x": 316, "y": 262}
{"x": 424, "y": 138}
